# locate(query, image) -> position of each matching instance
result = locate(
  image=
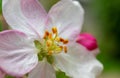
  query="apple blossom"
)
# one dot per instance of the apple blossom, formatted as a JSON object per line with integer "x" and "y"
{"x": 41, "y": 44}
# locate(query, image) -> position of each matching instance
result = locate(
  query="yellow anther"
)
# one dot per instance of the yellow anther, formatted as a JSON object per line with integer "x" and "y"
{"x": 61, "y": 40}
{"x": 50, "y": 52}
{"x": 54, "y": 30}
{"x": 50, "y": 36}
{"x": 44, "y": 37}
{"x": 57, "y": 39}
{"x": 53, "y": 43}
{"x": 58, "y": 50}
{"x": 47, "y": 33}
{"x": 65, "y": 49}
{"x": 49, "y": 43}
{"x": 61, "y": 47}
{"x": 65, "y": 41}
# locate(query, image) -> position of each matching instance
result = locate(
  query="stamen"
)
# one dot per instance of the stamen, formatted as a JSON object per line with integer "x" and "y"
{"x": 49, "y": 43}
{"x": 50, "y": 52}
{"x": 57, "y": 39}
{"x": 46, "y": 35}
{"x": 65, "y": 49}
{"x": 61, "y": 47}
{"x": 53, "y": 43}
{"x": 50, "y": 36}
{"x": 54, "y": 30}
{"x": 65, "y": 41}
{"x": 61, "y": 40}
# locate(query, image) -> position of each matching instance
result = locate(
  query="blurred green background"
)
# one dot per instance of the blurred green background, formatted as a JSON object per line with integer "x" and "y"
{"x": 102, "y": 19}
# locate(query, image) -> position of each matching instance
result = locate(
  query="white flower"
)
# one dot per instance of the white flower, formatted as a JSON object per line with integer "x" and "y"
{"x": 45, "y": 42}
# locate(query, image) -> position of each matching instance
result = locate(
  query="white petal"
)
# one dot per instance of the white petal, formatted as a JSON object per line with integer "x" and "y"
{"x": 78, "y": 63}
{"x": 17, "y": 53}
{"x": 67, "y": 15}
{"x": 43, "y": 70}
{"x": 25, "y": 15}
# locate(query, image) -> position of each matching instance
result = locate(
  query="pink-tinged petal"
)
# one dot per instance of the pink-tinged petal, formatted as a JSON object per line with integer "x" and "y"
{"x": 88, "y": 41}
{"x": 27, "y": 16}
{"x": 67, "y": 16}
{"x": 17, "y": 53}
{"x": 78, "y": 63}
{"x": 42, "y": 70}
{"x": 2, "y": 74}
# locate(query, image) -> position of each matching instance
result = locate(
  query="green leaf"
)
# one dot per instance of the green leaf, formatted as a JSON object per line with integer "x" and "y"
{"x": 60, "y": 74}
{"x": 1, "y": 27}
{"x": 8, "y": 76}
{"x": 0, "y": 6}
{"x": 48, "y": 3}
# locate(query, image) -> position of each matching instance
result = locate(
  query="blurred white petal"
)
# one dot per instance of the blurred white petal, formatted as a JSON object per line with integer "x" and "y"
{"x": 78, "y": 62}
{"x": 42, "y": 70}
{"x": 67, "y": 16}
{"x": 17, "y": 53}
{"x": 25, "y": 15}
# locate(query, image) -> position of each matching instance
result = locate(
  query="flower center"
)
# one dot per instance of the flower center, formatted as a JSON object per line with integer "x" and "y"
{"x": 54, "y": 44}
{"x": 51, "y": 44}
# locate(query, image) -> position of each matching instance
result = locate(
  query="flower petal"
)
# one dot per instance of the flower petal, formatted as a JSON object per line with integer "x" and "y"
{"x": 43, "y": 70}
{"x": 25, "y": 15}
{"x": 17, "y": 53}
{"x": 78, "y": 63}
{"x": 2, "y": 74}
{"x": 67, "y": 15}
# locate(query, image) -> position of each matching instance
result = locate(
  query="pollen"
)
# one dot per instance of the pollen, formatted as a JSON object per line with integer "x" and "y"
{"x": 65, "y": 49}
{"x": 61, "y": 40}
{"x": 57, "y": 39}
{"x": 54, "y": 30}
{"x": 50, "y": 36}
{"x": 46, "y": 34}
{"x": 53, "y": 43}
{"x": 49, "y": 43}
{"x": 50, "y": 52}
{"x": 65, "y": 41}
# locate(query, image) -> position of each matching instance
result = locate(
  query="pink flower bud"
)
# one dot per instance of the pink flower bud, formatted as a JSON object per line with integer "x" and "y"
{"x": 87, "y": 40}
